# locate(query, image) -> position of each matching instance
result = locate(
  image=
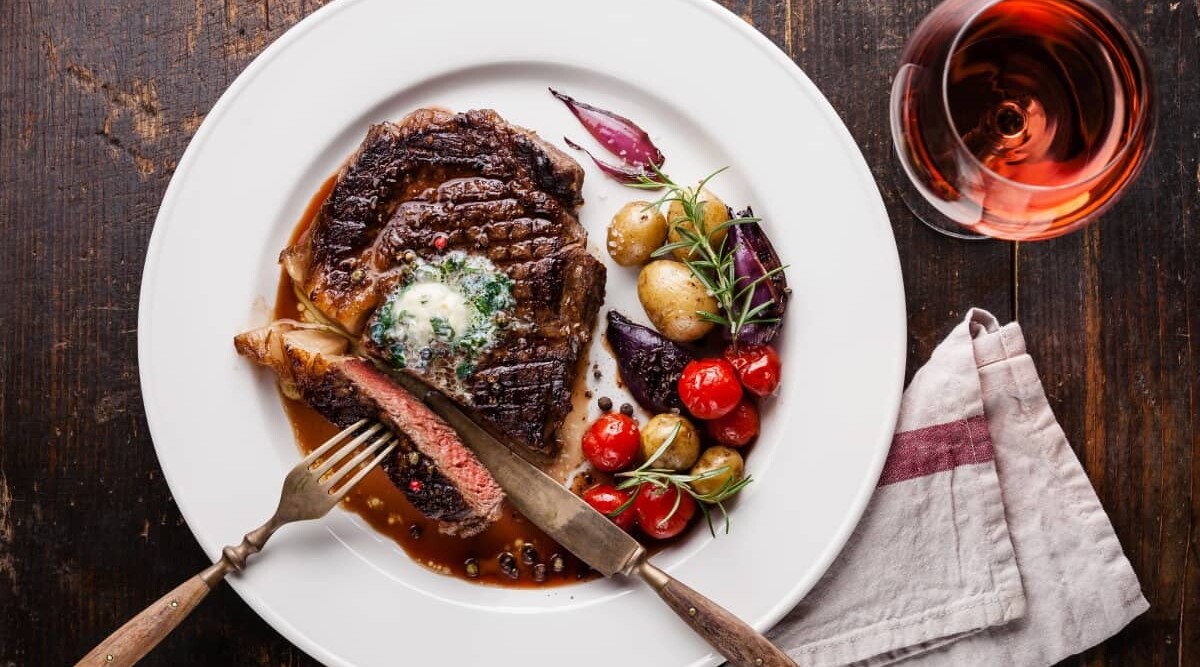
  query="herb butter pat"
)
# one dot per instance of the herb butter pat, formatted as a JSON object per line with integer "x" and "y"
{"x": 444, "y": 315}
{"x": 430, "y": 311}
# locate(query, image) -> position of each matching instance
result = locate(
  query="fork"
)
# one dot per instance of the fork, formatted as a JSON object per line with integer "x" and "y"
{"x": 308, "y": 493}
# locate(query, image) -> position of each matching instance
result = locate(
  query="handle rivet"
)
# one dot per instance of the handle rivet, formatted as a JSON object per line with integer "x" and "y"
{"x": 691, "y": 611}
{"x": 174, "y": 604}
{"x": 108, "y": 658}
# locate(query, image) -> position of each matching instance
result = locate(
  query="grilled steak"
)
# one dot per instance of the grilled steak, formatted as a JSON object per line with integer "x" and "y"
{"x": 436, "y": 183}
{"x": 452, "y": 486}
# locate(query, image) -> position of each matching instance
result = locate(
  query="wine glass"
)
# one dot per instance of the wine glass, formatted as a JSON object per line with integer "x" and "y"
{"x": 1019, "y": 119}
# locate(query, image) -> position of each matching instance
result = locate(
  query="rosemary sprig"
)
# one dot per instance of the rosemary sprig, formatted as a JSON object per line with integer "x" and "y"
{"x": 711, "y": 264}
{"x": 664, "y": 478}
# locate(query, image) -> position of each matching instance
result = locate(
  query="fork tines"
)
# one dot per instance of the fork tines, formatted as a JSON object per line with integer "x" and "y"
{"x": 351, "y": 439}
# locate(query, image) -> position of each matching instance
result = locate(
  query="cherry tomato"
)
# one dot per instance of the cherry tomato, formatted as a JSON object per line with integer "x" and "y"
{"x": 606, "y": 498}
{"x": 757, "y": 367}
{"x": 709, "y": 388}
{"x": 653, "y": 505}
{"x": 736, "y": 428}
{"x": 612, "y": 442}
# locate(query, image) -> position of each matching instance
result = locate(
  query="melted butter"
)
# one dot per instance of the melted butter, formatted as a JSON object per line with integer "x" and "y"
{"x": 444, "y": 317}
{"x": 425, "y": 303}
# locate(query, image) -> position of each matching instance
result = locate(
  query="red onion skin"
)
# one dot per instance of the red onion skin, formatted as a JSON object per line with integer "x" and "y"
{"x": 753, "y": 257}
{"x": 650, "y": 364}
{"x": 625, "y": 175}
{"x": 619, "y": 135}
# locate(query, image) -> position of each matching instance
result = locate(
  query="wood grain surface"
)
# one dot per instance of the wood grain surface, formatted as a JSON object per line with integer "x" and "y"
{"x": 99, "y": 99}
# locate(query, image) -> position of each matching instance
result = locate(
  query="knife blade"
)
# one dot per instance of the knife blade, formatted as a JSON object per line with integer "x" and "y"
{"x": 549, "y": 505}
{"x": 591, "y": 536}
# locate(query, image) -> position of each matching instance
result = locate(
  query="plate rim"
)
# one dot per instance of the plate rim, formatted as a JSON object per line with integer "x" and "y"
{"x": 788, "y": 599}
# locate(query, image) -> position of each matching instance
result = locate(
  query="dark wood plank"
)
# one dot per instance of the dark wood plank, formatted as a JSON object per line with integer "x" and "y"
{"x": 98, "y": 101}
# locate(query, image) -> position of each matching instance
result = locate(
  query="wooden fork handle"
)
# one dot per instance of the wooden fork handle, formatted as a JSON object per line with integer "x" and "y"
{"x": 742, "y": 645}
{"x": 143, "y": 632}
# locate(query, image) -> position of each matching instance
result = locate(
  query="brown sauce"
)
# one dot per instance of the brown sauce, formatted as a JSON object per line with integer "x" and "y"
{"x": 387, "y": 510}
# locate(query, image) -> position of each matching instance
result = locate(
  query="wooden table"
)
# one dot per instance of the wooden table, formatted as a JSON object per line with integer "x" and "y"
{"x": 99, "y": 99}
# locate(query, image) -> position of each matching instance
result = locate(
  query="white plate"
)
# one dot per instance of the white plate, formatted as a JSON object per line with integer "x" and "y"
{"x": 713, "y": 92}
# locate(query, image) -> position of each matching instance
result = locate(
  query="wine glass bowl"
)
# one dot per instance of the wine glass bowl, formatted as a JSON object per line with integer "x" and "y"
{"x": 1020, "y": 119}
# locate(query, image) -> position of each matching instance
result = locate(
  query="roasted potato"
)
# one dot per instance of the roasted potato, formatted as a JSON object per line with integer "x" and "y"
{"x": 683, "y": 450}
{"x": 635, "y": 232}
{"x": 671, "y": 296}
{"x": 715, "y": 458}
{"x": 715, "y": 213}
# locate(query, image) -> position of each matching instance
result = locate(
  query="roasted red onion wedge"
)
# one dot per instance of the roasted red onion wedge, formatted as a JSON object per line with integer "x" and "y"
{"x": 754, "y": 258}
{"x": 650, "y": 364}
{"x": 621, "y": 136}
{"x": 623, "y": 173}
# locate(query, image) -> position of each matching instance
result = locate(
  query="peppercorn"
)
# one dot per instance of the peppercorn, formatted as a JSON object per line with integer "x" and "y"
{"x": 508, "y": 565}
{"x": 605, "y": 403}
{"x": 415, "y": 531}
{"x": 528, "y": 554}
{"x": 627, "y": 409}
{"x": 472, "y": 566}
{"x": 558, "y": 563}
{"x": 539, "y": 572}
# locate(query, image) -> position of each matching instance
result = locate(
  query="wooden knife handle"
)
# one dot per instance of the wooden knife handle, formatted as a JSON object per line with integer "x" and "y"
{"x": 741, "y": 644}
{"x": 143, "y": 632}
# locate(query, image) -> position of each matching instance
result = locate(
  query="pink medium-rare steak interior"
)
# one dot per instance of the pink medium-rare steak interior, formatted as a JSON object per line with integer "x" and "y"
{"x": 452, "y": 486}
{"x": 429, "y": 434}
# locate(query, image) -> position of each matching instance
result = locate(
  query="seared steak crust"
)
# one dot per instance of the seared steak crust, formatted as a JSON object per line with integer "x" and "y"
{"x": 487, "y": 188}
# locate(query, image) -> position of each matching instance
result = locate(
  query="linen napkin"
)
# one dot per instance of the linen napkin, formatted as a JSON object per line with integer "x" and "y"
{"x": 984, "y": 543}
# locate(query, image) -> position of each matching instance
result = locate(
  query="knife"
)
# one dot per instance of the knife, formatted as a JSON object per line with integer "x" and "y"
{"x": 592, "y": 537}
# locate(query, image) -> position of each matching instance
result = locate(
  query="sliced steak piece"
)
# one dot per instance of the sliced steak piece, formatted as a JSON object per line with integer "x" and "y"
{"x": 438, "y": 182}
{"x": 452, "y": 486}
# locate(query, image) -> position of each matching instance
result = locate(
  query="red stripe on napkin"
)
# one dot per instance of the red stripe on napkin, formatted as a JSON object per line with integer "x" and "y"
{"x": 937, "y": 449}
